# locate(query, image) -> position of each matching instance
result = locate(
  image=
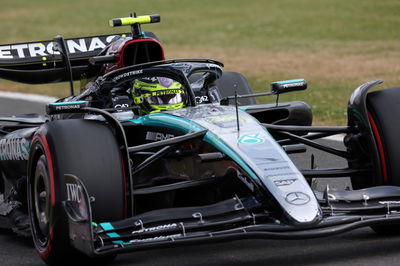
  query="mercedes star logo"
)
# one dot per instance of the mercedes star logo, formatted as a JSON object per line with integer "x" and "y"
{"x": 297, "y": 198}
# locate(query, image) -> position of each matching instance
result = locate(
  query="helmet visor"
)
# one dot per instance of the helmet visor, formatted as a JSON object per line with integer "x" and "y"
{"x": 165, "y": 99}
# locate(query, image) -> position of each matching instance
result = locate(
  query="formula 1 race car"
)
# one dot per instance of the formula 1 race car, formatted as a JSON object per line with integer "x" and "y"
{"x": 155, "y": 153}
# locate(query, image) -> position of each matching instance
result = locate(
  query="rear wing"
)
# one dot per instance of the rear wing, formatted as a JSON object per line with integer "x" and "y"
{"x": 36, "y": 62}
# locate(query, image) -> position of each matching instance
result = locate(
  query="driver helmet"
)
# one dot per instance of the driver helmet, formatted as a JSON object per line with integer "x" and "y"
{"x": 156, "y": 94}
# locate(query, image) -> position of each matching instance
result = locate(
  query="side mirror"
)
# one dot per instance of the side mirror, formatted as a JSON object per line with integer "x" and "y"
{"x": 279, "y": 87}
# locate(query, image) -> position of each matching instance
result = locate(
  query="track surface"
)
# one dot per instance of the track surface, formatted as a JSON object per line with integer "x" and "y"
{"x": 359, "y": 247}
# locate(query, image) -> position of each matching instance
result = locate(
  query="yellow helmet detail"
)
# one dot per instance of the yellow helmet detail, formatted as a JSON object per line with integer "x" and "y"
{"x": 157, "y": 94}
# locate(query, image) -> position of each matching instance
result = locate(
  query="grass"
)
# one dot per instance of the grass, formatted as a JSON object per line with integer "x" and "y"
{"x": 335, "y": 44}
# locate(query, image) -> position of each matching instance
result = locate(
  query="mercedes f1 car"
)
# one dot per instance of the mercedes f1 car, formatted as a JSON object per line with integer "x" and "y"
{"x": 98, "y": 175}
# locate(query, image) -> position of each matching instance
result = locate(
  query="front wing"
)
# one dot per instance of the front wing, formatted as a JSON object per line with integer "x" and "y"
{"x": 232, "y": 219}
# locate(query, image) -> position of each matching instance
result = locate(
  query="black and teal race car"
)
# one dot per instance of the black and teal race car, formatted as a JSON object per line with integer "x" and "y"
{"x": 96, "y": 176}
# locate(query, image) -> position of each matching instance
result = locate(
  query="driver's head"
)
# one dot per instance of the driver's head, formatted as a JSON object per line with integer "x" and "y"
{"x": 156, "y": 94}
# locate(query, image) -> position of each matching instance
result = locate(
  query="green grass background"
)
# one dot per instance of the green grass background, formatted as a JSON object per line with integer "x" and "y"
{"x": 334, "y": 44}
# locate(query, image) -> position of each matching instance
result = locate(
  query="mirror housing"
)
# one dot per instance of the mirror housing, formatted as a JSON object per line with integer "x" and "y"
{"x": 279, "y": 87}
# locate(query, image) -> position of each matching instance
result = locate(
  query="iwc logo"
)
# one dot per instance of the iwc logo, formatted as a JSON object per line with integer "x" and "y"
{"x": 297, "y": 198}
{"x": 251, "y": 139}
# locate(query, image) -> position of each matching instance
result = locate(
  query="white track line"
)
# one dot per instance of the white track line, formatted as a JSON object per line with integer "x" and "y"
{"x": 27, "y": 97}
{"x": 48, "y": 99}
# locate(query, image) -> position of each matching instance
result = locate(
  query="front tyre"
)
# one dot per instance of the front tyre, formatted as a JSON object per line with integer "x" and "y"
{"x": 383, "y": 112}
{"x": 87, "y": 150}
{"x": 50, "y": 235}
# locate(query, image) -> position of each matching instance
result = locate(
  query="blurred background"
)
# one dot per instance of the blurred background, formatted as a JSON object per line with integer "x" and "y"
{"x": 336, "y": 45}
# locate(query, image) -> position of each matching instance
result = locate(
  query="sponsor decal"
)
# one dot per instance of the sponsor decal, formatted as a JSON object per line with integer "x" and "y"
{"x": 281, "y": 174}
{"x": 290, "y": 85}
{"x": 285, "y": 182}
{"x": 14, "y": 149}
{"x": 201, "y": 99}
{"x": 155, "y": 228}
{"x": 40, "y": 49}
{"x": 269, "y": 160}
{"x": 127, "y": 74}
{"x": 167, "y": 92}
{"x": 251, "y": 139}
{"x": 121, "y": 102}
{"x": 225, "y": 119}
{"x": 156, "y": 136}
{"x": 67, "y": 107}
{"x": 157, "y": 238}
{"x": 74, "y": 192}
{"x": 389, "y": 202}
{"x": 122, "y": 105}
{"x": 152, "y": 79}
{"x": 276, "y": 168}
{"x": 297, "y": 198}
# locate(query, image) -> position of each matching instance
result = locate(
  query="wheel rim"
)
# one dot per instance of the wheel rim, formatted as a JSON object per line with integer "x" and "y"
{"x": 42, "y": 204}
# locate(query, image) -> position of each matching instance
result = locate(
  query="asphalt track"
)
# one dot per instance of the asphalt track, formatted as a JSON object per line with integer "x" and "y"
{"x": 359, "y": 247}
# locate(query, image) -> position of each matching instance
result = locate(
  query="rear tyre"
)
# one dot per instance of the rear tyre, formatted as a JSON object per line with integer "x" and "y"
{"x": 384, "y": 110}
{"x": 231, "y": 81}
{"x": 88, "y": 150}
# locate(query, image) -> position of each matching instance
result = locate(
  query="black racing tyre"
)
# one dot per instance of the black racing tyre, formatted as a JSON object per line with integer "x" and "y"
{"x": 383, "y": 112}
{"x": 231, "y": 81}
{"x": 88, "y": 150}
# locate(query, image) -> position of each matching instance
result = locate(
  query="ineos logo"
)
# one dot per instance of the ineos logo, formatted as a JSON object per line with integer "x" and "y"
{"x": 297, "y": 198}
{"x": 285, "y": 182}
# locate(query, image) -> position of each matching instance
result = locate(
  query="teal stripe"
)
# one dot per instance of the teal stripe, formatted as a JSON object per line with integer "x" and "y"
{"x": 68, "y": 103}
{"x": 109, "y": 226}
{"x": 122, "y": 242}
{"x": 290, "y": 81}
{"x": 185, "y": 125}
{"x": 217, "y": 143}
{"x": 244, "y": 108}
{"x": 113, "y": 235}
{"x": 170, "y": 121}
